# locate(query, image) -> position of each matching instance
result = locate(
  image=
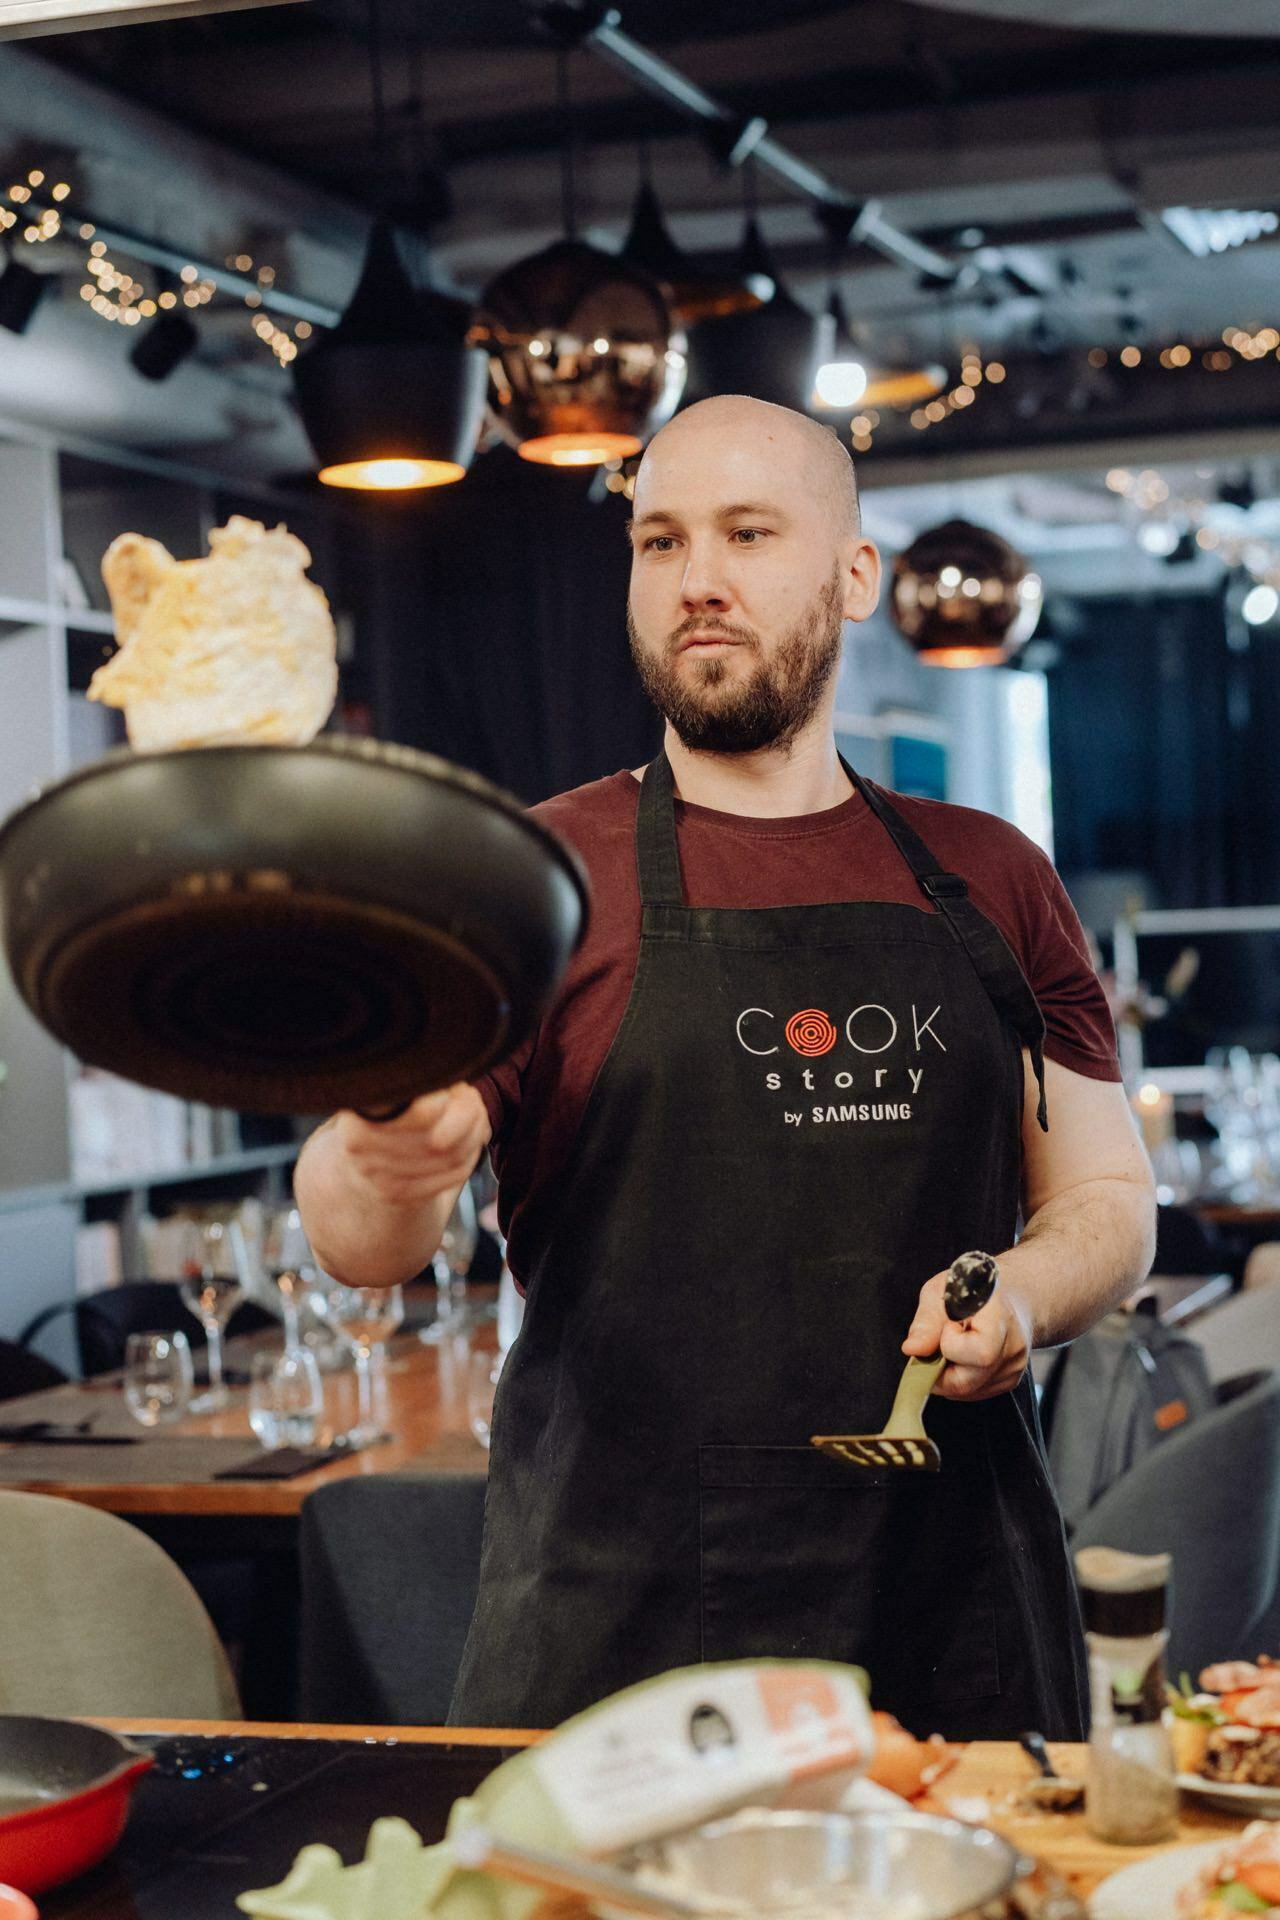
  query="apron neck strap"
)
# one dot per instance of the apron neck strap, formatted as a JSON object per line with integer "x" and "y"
{"x": 657, "y": 856}
{"x": 994, "y": 962}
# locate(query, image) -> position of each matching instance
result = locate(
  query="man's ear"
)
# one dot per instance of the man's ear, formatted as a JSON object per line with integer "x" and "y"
{"x": 860, "y": 572}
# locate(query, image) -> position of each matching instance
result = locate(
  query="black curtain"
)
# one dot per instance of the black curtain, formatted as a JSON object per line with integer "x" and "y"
{"x": 1164, "y": 718}
{"x": 495, "y": 629}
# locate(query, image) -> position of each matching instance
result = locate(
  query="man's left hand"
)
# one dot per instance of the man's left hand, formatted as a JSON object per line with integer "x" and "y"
{"x": 986, "y": 1355}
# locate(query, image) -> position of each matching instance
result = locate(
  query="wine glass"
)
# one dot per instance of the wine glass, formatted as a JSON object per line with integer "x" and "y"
{"x": 366, "y": 1318}
{"x": 211, "y": 1290}
{"x": 483, "y": 1373}
{"x": 450, "y": 1267}
{"x": 286, "y": 1399}
{"x": 157, "y": 1377}
{"x": 287, "y": 1258}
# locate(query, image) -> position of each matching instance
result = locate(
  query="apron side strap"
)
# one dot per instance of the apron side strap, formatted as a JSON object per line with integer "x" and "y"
{"x": 1036, "y": 1050}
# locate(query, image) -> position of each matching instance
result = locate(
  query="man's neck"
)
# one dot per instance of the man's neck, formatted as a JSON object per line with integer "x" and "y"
{"x": 764, "y": 786}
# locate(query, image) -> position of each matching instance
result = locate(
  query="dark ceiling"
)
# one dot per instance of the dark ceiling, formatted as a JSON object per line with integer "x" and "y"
{"x": 1037, "y": 160}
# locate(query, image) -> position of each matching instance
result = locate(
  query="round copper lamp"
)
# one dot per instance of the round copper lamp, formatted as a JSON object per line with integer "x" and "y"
{"x": 963, "y": 597}
{"x": 585, "y": 357}
{"x": 393, "y": 397}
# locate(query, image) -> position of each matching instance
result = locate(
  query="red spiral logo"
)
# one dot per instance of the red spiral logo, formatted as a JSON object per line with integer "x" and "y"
{"x": 811, "y": 1032}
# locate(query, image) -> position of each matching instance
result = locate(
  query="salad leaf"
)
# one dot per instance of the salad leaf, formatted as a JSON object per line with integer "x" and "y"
{"x": 1238, "y": 1898}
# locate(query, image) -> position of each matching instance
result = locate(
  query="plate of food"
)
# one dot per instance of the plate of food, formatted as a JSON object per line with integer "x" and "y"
{"x": 1213, "y": 1881}
{"x": 1226, "y": 1736}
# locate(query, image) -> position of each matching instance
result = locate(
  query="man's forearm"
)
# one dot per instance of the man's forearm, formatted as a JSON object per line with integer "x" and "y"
{"x": 356, "y": 1236}
{"x": 1080, "y": 1254}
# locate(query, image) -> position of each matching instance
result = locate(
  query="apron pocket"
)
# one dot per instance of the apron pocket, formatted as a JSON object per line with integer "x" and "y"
{"x": 805, "y": 1558}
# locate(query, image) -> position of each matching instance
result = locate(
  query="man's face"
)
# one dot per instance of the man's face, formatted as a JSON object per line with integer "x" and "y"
{"x": 738, "y": 595}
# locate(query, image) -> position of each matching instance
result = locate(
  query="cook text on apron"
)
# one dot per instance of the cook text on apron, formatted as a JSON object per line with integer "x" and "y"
{"x": 805, "y": 1113}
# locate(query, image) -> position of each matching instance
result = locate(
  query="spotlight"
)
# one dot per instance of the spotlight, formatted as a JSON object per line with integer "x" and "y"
{"x": 1260, "y": 605}
{"x": 841, "y": 379}
{"x": 164, "y": 346}
{"x": 20, "y": 292}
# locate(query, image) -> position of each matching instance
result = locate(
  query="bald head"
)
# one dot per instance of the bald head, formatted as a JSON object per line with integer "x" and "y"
{"x": 798, "y": 449}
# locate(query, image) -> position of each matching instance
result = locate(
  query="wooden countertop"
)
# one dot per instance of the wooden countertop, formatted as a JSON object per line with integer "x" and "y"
{"x": 984, "y": 1786}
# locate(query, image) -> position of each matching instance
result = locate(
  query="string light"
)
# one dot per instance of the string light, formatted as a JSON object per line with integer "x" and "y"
{"x": 1151, "y": 494}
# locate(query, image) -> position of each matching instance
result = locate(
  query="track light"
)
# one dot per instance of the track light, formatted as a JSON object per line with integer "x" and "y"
{"x": 20, "y": 293}
{"x": 166, "y": 343}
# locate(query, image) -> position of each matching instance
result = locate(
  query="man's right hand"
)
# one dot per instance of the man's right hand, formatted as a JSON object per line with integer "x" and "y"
{"x": 428, "y": 1150}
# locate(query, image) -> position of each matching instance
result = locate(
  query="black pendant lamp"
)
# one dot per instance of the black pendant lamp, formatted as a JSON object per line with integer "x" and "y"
{"x": 393, "y": 396}
{"x": 696, "y": 293}
{"x": 961, "y": 596}
{"x": 771, "y": 352}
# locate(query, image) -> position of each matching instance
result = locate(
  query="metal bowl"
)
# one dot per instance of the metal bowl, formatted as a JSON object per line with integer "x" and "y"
{"x": 865, "y": 1866}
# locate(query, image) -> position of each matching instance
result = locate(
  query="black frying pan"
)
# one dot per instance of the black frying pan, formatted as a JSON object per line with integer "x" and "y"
{"x": 286, "y": 929}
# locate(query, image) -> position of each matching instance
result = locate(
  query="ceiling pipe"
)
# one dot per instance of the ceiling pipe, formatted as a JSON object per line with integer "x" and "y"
{"x": 598, "y": 29}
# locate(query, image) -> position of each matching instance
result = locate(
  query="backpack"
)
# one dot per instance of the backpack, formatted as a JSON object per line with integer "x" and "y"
{"x": 1113, "y": 1395}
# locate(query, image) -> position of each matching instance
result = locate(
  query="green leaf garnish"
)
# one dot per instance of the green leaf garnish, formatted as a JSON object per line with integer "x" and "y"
{"x": 1240, "y": 1899}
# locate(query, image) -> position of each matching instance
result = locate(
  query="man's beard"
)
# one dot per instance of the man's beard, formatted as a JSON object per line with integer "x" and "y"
{"x": 771, "y": 706}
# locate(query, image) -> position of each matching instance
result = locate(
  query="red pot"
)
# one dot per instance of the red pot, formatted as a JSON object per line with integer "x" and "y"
{"x": 70, "y": 1787}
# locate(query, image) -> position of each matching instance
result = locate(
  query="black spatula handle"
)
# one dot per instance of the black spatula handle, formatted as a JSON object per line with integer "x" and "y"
{"x": 970, "y": 1284}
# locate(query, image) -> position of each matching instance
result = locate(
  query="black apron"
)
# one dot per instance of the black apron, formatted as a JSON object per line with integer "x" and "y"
{"x": 805, "y": 1113}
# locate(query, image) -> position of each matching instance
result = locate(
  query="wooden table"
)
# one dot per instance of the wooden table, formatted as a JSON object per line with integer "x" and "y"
{"x": 168, "y": 1472}
{"x": 239, "y": 1538}
{"x": 983, "y": 1786}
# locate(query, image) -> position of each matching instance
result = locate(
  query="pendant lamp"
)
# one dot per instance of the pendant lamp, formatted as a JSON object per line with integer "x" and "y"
{"x": 393, "y": 396}
{"x": 771, "y": 353}
{"x": 695, "y": 293}
{"x": 841, "y": 379}
{"x": 961, "y": 596}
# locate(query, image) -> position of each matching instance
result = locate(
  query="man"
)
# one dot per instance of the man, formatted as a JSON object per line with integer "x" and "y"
{"x": 797, "y": 1067}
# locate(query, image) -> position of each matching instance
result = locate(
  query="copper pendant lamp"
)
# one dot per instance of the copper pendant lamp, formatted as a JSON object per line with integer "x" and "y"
{"x": 585, "y": 354}
{"x": 961, "y": 596}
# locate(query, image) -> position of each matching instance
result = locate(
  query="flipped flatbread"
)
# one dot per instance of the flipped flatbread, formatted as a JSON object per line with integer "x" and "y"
{"x": 239, "y": 647}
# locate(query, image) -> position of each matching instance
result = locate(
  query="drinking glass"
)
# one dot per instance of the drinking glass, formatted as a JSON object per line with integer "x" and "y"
{"x": 366, "y": 1318}
{"x": 450, "y": 1268}
{"x": 483, "y": 1373}
{"x": 287, "y": 1258}
{"x": 286, "y": 1400}
{"x": 157, "y": 1377}
{"x": 211, "y": 1290}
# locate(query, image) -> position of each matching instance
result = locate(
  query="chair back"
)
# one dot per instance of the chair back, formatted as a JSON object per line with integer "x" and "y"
{"x": 104, "y": 1320}
{"x": 390, "y": 1568}
{"x": 23, "y": 1372}
{"x": 95, "y": 1619}
{"x": 1210, "y": 1496}
{"x": 1243, "y": 1333}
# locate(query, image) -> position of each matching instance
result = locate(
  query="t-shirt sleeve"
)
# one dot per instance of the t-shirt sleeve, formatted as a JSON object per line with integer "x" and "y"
{"x": 1079, "y": 1031}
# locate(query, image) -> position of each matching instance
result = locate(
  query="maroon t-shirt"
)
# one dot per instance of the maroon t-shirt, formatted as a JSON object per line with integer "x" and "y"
{"x": 536, "y": 1098}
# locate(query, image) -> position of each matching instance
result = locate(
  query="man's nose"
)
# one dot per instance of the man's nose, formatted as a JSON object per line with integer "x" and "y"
{"x": 704, "y": 583}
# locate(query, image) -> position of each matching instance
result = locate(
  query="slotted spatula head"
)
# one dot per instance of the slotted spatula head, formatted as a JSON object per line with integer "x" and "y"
{"x": 902, "y": 1442}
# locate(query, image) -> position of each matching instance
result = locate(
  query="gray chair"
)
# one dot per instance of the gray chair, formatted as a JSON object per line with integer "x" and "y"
{"x": 390, "y": 1565}
{"x": 95, "y": 1619}
{"x": 1210, "y": 1496}
{"x": 1242, "y": 1334}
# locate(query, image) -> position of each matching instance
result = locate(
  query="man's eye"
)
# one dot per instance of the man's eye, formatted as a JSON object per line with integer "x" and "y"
{"x": 660, "y": 543}
{"x": 748, "y": 536}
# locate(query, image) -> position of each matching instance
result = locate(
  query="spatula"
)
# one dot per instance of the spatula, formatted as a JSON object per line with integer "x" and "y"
{"x": 902, "y": 1441}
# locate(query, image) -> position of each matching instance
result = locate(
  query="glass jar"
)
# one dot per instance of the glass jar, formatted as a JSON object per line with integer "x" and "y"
{"x": 1131, "y": 1796}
